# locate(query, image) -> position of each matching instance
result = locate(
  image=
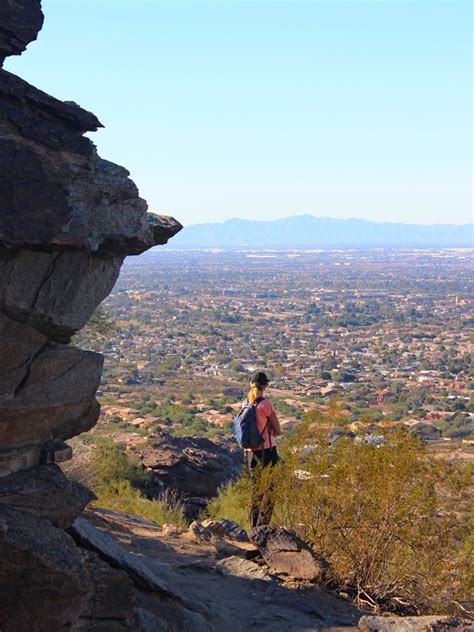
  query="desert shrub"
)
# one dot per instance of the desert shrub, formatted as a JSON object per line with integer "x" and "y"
{"x": 386, "y": 517}
{"x": 97, "y": 464}
{"x": 116, "y": 482}
{"x": 120, "y": 495}
{"x": 390, "y": 520}
{"x": 232, "y": 502}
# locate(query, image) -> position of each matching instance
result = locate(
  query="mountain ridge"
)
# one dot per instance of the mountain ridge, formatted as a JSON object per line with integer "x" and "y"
{"x": 306, "y": 231}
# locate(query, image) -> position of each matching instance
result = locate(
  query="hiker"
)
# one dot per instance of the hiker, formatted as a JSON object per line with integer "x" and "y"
{"x": 268, "y": 427}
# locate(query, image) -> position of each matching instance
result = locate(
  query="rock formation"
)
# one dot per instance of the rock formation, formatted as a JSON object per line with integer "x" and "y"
{"x": 285, "y": 552}
{"x": 194, "y": 467}
{"x": 67, "y": 220}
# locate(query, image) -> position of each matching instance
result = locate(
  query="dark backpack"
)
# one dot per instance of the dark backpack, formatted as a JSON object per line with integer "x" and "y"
{"x": 246, "y": 429}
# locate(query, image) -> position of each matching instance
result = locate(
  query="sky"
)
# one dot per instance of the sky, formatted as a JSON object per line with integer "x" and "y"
{"x": 262, "y": 110}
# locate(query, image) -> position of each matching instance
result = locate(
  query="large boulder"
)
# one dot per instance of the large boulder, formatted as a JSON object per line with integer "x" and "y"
{"x": 49, "y": 583}
{"x": 285, "y": 552}
{"x": 194, "y": 467}
{"x": 54, "y": 292}
{"x": 94, "y": 539}
{"x": 111, "y": 605}
{"x": 67, "y": 220}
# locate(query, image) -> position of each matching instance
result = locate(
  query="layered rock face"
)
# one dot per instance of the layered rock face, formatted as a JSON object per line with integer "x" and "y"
{"x": 67, "y": 220}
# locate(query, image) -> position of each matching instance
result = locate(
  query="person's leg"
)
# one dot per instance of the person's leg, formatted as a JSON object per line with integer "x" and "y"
{"x": 270, "y": 456}
{"x": 267, "y": 497}
{"x": 254, "y": 459}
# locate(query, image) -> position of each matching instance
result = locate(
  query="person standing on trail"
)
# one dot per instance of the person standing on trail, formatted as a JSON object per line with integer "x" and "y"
{"x": 268, "y": 427}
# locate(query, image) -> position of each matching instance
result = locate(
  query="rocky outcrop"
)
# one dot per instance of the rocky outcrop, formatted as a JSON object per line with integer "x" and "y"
{"x": 111, "y": 605}
{"x": 43, "y": 491}
{"x": 20, "y": 22}
{"x": 67, "y": 220}
{"x": 44, "y": 584}
{"x": 55, "y": 189}
{"x": 194, "y": 467}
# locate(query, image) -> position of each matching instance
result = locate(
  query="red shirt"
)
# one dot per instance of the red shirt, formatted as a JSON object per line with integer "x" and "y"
{"x": 264, "y": 410}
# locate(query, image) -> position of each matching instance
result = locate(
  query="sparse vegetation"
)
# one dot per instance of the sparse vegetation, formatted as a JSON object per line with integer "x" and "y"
{"x": 120, "y": 495}
{"x": 116, "y": 482}
{"x": 232, "y": 502}
{"x": 392, "y": 523}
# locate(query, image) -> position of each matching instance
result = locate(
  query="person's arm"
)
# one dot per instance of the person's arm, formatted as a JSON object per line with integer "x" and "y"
{"x": 275, "y": 424}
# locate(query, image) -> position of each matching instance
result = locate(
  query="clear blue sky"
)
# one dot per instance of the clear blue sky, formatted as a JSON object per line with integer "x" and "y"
{"x": 266, "y": 109}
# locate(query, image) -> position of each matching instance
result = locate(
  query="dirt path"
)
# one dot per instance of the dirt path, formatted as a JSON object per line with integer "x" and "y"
{"x": 215, "y": 594}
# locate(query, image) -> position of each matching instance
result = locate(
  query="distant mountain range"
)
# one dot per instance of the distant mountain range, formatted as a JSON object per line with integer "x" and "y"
{"x": 306, "y": 231}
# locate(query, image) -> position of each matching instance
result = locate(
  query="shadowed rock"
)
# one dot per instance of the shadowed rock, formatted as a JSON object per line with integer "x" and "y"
{"x": 194, "y": 467}
{"x": 67, "y": 220}
{"x": 20, "y": 345}
{"x": 91, "y": 537}
{"x": 43, "y": 582}
{"x": 111, "y": 604}
{"x": 20, "y": 23}
{"x": 55, "y": 191}
{"x": 54, "y": 292}
{"x": 45, "y": 492}
{"x": 55, "y": 399}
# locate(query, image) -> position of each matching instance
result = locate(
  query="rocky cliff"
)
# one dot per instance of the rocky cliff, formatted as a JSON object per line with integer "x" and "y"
{"x": 67, "y": 220}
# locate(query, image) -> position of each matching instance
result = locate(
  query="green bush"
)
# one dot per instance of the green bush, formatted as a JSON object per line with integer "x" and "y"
{"x": 232, "y": 502}
{"x": 119, "y": 495}
{"x": 116, "y": 482}
{"x": 390, "y": 520}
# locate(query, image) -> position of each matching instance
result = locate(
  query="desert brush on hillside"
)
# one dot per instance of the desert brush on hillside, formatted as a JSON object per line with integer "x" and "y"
{"x": 393, "y": 523}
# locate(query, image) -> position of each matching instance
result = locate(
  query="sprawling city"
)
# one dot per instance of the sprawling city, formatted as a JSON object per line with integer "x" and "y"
{"x": 386, "y": 335}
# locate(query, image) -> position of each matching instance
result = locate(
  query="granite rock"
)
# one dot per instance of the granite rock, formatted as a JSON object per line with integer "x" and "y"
{"x": 110, "y": 607}
{"x": 54, "y": 292}
{"x": 67, "y": 220}
{"x": 194, "y": 467}
{"x": 96, "y": 540}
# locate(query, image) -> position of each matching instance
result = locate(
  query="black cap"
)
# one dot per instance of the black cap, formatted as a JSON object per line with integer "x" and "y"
{"x": 259, "y": 378}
